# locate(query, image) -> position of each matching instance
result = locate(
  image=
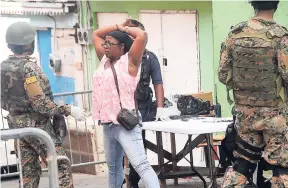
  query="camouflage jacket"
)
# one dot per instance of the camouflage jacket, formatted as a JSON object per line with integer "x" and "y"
{"x": 26, "y": 92}
{"x": 253, "y": 62}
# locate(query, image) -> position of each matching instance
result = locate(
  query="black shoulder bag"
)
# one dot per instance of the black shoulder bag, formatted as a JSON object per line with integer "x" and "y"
{"x": 127, "y": 118}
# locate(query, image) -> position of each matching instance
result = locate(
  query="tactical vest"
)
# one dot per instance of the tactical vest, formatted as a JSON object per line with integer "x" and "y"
{"x": 13, "y": 95}
{"x": 254, "y": 77}
{"x": 143, "y": 91}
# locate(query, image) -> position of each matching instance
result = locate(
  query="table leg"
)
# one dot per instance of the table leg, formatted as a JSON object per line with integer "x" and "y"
{"x": 191, "y": 150}
{"x": 173, "y": 151}
{"x": 160, "y": 156}
{"x": 191, "y": 161}
{"x": 213, "y": 182}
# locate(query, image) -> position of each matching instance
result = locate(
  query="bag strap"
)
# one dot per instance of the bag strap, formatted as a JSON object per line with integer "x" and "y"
{"x": 118, "y": 91}
{"x": 116, "y": 82}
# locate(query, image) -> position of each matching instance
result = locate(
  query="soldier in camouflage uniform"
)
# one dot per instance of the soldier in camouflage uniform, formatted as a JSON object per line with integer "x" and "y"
{"x": 254, "y": 64}
{"x": 26, "y": 94}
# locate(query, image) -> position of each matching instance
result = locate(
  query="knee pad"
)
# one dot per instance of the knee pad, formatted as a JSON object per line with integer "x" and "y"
{"x": 244, "y": 167}
{"x": 278, "y": 170}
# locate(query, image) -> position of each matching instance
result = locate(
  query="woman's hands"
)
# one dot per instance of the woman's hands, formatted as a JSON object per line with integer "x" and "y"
{"x": 138, "y": 46}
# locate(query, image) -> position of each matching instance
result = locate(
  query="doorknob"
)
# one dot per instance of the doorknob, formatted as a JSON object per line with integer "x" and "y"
{"x": 165, "y": 61}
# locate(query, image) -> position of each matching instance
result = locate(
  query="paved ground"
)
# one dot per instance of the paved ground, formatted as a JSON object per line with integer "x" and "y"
{"x": 90, "y": 181}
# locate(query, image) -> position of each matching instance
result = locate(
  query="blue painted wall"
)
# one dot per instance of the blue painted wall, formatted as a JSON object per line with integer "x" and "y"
{"x": 59, "y": 84}
{"x": 63, "y": 85}
{"x": 44, "y": 49}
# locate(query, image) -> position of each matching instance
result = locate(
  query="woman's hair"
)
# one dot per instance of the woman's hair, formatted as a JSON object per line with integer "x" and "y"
{"x": 265, "y": 5}
{"x": 123, "y": 38}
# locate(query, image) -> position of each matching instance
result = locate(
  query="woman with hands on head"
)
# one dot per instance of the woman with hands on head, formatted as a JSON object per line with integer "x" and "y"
{"x": 115, "y": 47}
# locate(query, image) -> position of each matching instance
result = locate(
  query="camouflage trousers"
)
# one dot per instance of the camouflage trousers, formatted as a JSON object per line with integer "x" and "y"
{"x": 261, "y": 127}
{"x": 31, "y": 149}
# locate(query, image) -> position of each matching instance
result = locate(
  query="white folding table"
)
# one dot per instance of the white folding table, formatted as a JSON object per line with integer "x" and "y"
{"x": 204, "y": 127}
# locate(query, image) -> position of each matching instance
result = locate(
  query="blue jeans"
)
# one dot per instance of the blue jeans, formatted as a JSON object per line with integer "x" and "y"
{"x": 134, "y": 178}
{"x": 118, "y": 140}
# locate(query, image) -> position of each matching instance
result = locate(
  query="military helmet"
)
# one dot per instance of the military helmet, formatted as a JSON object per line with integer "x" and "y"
{"x": 20, "y": 33}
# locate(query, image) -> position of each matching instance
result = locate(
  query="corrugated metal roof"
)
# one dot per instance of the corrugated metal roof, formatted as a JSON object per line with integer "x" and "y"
{"x": 34, "y": 8}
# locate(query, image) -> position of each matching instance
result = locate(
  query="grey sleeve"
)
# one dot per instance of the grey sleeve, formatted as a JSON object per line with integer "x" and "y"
{"x": 155, "y": 70}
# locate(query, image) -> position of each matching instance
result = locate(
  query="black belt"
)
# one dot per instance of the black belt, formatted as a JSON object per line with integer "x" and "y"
{"x": 107, "y": 123}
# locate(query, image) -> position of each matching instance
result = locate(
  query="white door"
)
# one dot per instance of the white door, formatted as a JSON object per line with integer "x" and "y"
{"x": 173, "y": 38}
{"x": 105, "y": 19}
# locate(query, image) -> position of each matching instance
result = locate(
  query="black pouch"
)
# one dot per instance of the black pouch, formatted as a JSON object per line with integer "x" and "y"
{"x": 127, "y": 119}
{"x": 228, "y": 144}
{"x": 230, "y": 137}
{"x": 59, "y": 125}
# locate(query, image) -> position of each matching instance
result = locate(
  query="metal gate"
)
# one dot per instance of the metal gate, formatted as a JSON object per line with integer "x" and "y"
{"x": 78, "y": 139}
{"x": 51, "y": 151}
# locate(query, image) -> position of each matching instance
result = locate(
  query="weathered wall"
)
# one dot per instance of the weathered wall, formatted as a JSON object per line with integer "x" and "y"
{"x": 70, "y": 78}
{"x": 226, "y": 14}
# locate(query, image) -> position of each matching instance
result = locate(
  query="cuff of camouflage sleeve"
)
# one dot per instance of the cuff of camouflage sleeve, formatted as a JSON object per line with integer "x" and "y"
{"x": 65, "y": 110}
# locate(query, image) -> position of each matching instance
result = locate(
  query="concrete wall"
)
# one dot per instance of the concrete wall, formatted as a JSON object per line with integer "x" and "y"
{"x": 226, "y": 14}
